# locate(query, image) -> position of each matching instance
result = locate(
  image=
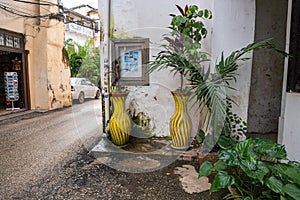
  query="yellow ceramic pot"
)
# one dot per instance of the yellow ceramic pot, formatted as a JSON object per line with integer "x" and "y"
{"x": 180, "y": 123}
{"x": 119, "y": 123}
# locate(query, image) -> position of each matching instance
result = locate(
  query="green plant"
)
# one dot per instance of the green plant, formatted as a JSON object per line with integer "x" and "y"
{"x": 189, "y": 24}
{"x": 208, "y": 85}
{"x": 184, "y": 41}
{"x": 210, "y": 91}
{"x": 234, "y": 125}
{"x": 84, "y": 60}
{"x": 257, "y": 168}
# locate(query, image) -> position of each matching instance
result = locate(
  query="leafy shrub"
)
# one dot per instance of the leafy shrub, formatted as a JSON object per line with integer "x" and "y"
{"x": 257, "y": 169}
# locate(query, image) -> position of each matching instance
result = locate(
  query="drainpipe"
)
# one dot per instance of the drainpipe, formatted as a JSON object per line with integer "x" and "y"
{"x": 104, "y": 9}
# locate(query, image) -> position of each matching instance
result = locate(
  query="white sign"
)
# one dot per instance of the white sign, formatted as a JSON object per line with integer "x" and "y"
{"x": 11, "y": 86}
{"x": 72, "y": 27}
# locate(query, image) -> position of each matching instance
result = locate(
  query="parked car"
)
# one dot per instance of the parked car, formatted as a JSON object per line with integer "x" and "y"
{"x": 82, "y": 89}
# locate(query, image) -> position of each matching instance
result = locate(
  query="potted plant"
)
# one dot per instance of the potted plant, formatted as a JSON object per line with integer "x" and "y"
{"x": 187, "y": 30}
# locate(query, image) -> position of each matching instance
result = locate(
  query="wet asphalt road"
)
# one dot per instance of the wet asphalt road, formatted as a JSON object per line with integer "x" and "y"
{"x": 31, "y": 147}
{"x": 46, "y": 156}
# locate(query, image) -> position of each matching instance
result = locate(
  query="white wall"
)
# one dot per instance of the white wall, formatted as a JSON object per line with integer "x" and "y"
{"x": 233, "y": 28}
{"x": 150, "y": 19}
{"x": 291, "y": 129}
{"x": 79, "y": 38}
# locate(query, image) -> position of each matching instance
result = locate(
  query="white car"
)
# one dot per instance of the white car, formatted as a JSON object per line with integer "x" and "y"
{"x": 82, "y": 88}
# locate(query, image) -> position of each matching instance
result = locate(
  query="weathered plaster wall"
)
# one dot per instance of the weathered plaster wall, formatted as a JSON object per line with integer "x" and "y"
{"x": 58, "y": 72}
{"x": 267, "y": 70}
{"x": 13, "y": 23}
{"x": 150, "y": 19}
{"x": 59, "y": 88}
{"x": 38, "y": 71}
{"x": 44, "y": 41}
{"x": 233, "y": 28}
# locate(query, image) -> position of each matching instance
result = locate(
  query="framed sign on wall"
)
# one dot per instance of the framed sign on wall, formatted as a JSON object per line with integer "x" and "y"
{"x": 129, "y": 61}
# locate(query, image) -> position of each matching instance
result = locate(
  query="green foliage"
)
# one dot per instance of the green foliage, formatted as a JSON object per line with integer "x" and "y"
{"x": 200, "y": 137}
{"x": 209, "y": 85}
{"x": 189, "y": 23}
{"x": 210, "y": 88}
{"x": 84, "y": 60}
{"x": 255, "y": 168}
{"x": 183, "y": 42}
{"x": 90, "y": 67}
{"x": 76, "y": 55}
{"x": 234, "y": 125}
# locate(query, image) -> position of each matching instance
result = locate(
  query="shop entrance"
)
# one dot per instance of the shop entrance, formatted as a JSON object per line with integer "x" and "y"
{"x": 11, "y": 81}
{"x": 13, "y": 92}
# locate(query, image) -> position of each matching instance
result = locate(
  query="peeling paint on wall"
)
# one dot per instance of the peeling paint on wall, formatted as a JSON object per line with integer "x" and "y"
{"x": 147, "y": 104}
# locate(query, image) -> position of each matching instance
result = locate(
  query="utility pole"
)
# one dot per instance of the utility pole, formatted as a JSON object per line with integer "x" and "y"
{"x": 104, "y": 8}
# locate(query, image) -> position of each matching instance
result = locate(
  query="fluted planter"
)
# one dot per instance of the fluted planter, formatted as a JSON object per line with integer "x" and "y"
{"x": 119, "y": 123}
{"x": 180, "y": 122}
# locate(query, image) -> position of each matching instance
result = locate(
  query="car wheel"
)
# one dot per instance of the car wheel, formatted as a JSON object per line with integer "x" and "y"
{"x": 81, "y": 97}
{"x": 97, "y": 94}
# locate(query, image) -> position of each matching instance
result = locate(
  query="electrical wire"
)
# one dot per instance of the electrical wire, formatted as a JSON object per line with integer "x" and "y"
{"x": 15, "y": 12}
{"x": 38, "y": 3}
{"x": 21, "y": 13}
{"x": 16, "y": 7}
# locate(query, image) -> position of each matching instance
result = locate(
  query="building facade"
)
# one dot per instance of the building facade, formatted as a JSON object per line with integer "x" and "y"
{"x": 82, "y": 24}
{"x": 31, "y": 47}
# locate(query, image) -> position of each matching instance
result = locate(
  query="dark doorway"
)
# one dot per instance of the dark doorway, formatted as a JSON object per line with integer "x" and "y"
{"x": 293, "y": 81}
{"x": 11, "y": 62}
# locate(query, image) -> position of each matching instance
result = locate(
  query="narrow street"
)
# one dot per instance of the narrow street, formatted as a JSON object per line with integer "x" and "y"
{"x": 46, "y": 156}
{"x": 31, "y": 147}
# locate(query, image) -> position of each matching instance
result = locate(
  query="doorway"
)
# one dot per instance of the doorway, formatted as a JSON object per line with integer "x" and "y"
{"x": 13, "y": 72}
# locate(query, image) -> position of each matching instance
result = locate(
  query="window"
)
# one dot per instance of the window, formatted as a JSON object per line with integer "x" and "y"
{"x": 10, "y": 39}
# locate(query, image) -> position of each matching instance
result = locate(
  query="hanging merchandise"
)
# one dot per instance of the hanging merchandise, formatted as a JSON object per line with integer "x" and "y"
{"x": 16, "y": 64}
{"x": 11, "y": 88}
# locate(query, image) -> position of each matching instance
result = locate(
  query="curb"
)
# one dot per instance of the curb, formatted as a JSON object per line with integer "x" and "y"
{"x": 25, "y": 114}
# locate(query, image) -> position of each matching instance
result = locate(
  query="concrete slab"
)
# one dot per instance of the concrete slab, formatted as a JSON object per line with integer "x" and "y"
{"x": 190, "y": 181}
{"x": 141, "y": 155}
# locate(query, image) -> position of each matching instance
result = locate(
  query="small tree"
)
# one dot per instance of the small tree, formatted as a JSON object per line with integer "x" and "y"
{"x": 84, "y": 60}
{"x": 90, "y": 67}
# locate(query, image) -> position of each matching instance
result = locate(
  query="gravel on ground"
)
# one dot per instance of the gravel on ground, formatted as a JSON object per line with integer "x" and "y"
{"x": 83, "y": 177}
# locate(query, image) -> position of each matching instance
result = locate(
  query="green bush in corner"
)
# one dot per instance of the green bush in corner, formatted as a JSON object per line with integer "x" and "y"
{"x": 256, "y": 169}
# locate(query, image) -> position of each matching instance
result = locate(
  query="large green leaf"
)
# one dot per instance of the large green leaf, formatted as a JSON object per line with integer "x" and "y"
{"x": 242, "y": 148}
{"x": 292, "y": 190}
{"x": 222, "y": 180}
{"x": 274, "y": 184}
{"x": 230, "y": 157}
{"x": 220, "y": 165}
{"x": 226, "y": 142}
{"x": 256, "y": 171}
{"x": 269, "y": 149}
{"x": 292, "y": 172}
{"x": 206, "y": 168}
